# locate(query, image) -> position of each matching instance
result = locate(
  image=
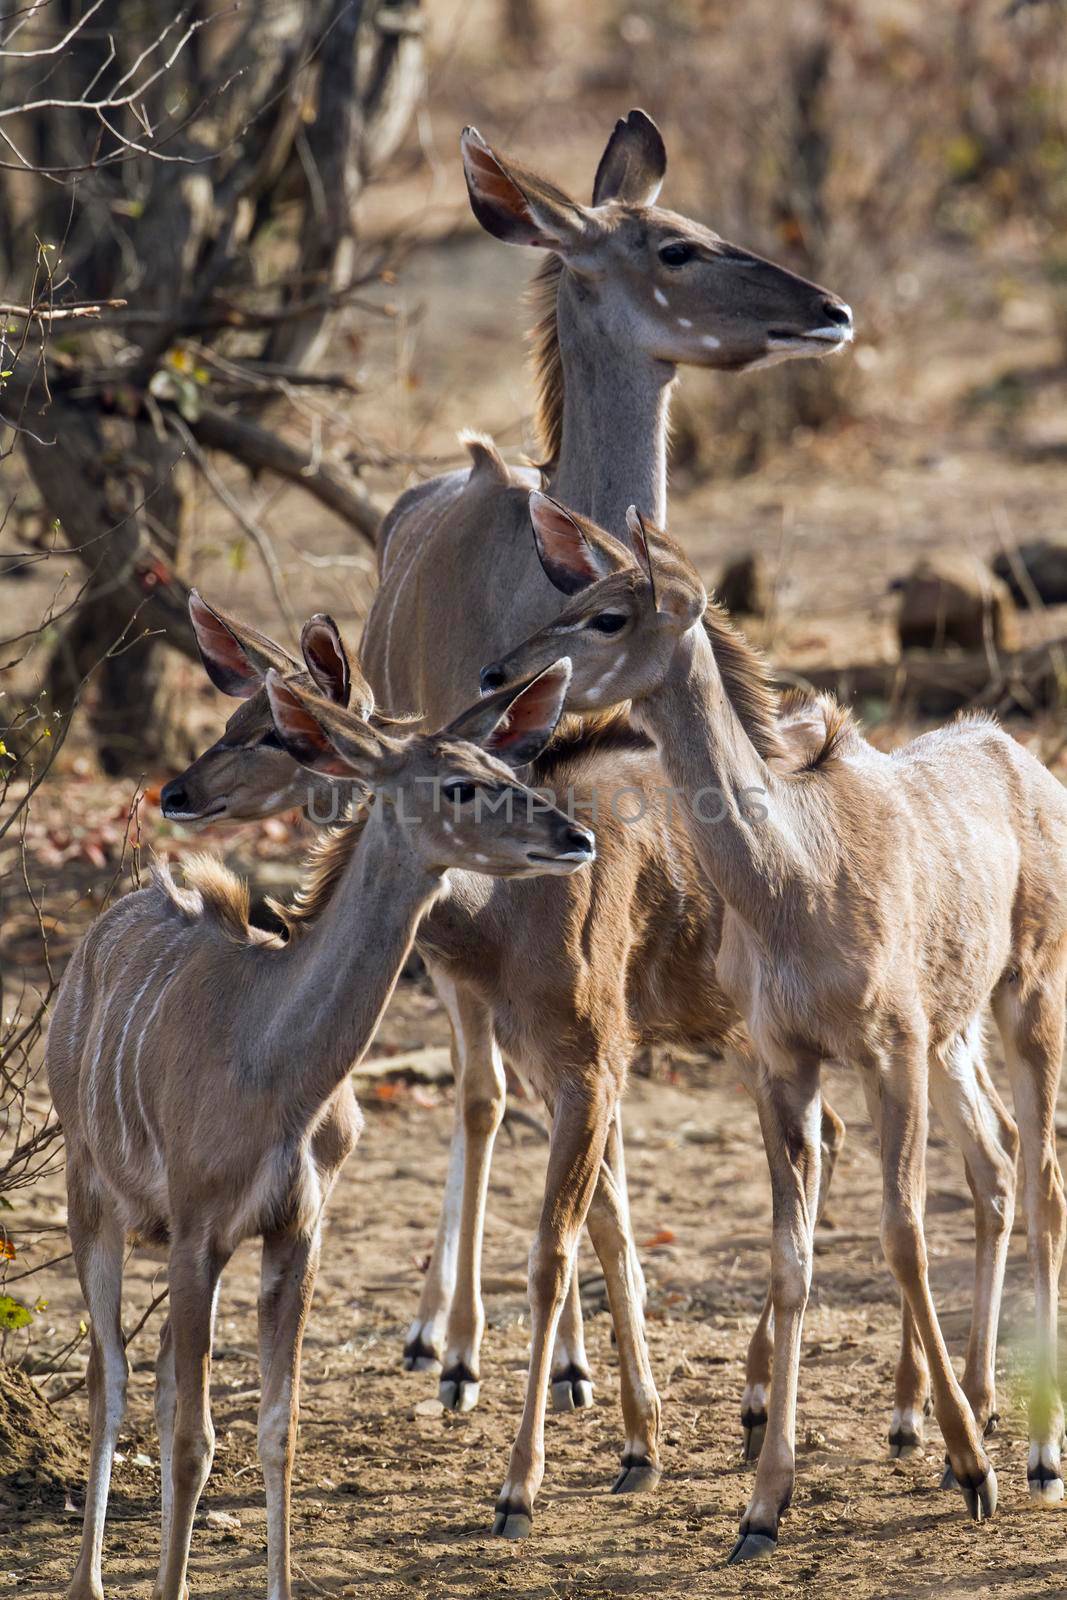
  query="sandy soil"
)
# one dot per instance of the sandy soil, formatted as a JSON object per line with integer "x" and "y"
{"x": 390, "y": 1502}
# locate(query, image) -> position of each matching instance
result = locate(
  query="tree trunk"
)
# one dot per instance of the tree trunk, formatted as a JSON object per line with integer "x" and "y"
{"x": 118, "y": 493}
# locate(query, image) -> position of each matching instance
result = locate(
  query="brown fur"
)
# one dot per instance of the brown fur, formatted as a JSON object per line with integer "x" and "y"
{"x": 542, "y": 295}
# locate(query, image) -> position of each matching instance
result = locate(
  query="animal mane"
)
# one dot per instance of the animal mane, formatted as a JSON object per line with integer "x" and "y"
{"x": 762, "y": 710}
{"x": 542, "y": 295}
{"x": 588, "y": 733}
{"x": 324, "y": 867}
{"x": 748, "y": 681}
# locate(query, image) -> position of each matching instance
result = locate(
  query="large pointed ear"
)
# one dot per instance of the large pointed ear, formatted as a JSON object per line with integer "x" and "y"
{"x": 319, "y": 734}
{"x": 327, "y": 660}
{"x": 517, "y": 722}
{"x": 572, "y": 561}
{"x": 635, "y": 526}
{"x": 518, "y": 207}
{"x": 235, "y": 657}
{"x": 634, "y": 163}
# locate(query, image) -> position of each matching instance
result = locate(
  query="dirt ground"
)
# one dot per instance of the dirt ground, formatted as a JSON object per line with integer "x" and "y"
{"x": 390, "y": 1502}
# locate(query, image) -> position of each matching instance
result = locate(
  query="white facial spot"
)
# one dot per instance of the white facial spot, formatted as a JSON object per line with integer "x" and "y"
{"x": 660, "y": 297}
{"x": 709, "y": 341}
{"x": 685, "y": 322}
{"x": 482, "y": 861}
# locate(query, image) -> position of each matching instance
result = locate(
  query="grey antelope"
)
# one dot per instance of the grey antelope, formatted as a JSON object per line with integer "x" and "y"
{"x": 200, "y": 1068}
{"x": 874, "y": 904}
{"x": 628, "y": 292}
{"x": 524, "y": 965}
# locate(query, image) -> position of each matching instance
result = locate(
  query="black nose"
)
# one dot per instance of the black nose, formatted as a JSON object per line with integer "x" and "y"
{"x": 576, "y": 839}
{"x": 492, "y": 677}
{"x": 173, "y": 797}
{"x": 840, "y": 315}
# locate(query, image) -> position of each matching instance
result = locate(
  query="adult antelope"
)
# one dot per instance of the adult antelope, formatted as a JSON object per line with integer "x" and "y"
{"x": 200, "y": 1068}
{"x": 628, "y": 293}
{"x": 874, "y": 904}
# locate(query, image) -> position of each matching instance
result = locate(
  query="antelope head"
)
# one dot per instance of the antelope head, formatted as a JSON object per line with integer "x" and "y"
{"x": 454, "y": 793}
{"x": 246, "y": 774}
{"x": 647, "y": 277}
{"x": 625, "y": 618}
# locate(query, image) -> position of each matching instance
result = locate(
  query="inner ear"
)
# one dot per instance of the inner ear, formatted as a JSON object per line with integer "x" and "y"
{"x": 226, "y": 661}
{"x": 515, "y": 205}
{"x": 236, "y": 658}
{"x": 569, "y": 559}
{"x": 326, "y": 658}
{"x": 531, "y": 717}
{"x": 301, "y": 733}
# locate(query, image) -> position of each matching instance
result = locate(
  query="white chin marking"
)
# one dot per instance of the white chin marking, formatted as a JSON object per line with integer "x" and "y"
{"x": 801, "y": 344}
{"x": 709, "y": 341}
{"x": 834, "y": 335}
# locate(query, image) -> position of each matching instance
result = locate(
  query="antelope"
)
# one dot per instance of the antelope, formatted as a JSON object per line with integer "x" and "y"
{"x": 873, "y": 905}
{"x": 670, "y": 972}
{"x": 628, "y": 293}
{"x": 200, "y": 1067}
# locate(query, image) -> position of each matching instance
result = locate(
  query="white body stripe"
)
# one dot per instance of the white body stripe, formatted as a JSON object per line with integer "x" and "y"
{"x": 419, "y": 537}
{"x": 121, "y": 1046}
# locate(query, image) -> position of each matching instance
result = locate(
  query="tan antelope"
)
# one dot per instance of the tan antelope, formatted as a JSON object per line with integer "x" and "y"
{"x": 246, "y": 775}
{"x": 874, "y": 904}
{"x": 200, "y": 1068}
{"x": 242, "y": 763}
{"x": 628, "y": 293}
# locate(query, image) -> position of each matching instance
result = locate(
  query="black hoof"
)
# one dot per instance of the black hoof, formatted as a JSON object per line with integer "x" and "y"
{"x": 639, "y": 1475}
{"x": 904, "y": 1443}
{"x": 753, "y": 1433}
{"x": 420, "y": 1357}
{"x": 992, "y": 1424}
{"x": 513, "y": 1520}
{"x": 981, "y": 1495}
{"x": 572, "y": 1389}
{"x": 755, "y": 1545}
{"x": 458, "y": 1389}
{"x": 1045, "y": 1485}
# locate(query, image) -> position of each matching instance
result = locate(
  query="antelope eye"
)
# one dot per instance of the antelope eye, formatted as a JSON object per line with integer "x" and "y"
{"x": 270, "y": 741}
{"x": 607, "y": 622}
{"x": 460, "y": 793}
{"x": 677, "y": 254}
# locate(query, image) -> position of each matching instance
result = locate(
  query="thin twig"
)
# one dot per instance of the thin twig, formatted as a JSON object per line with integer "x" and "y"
{"x": 88, "y": 308}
